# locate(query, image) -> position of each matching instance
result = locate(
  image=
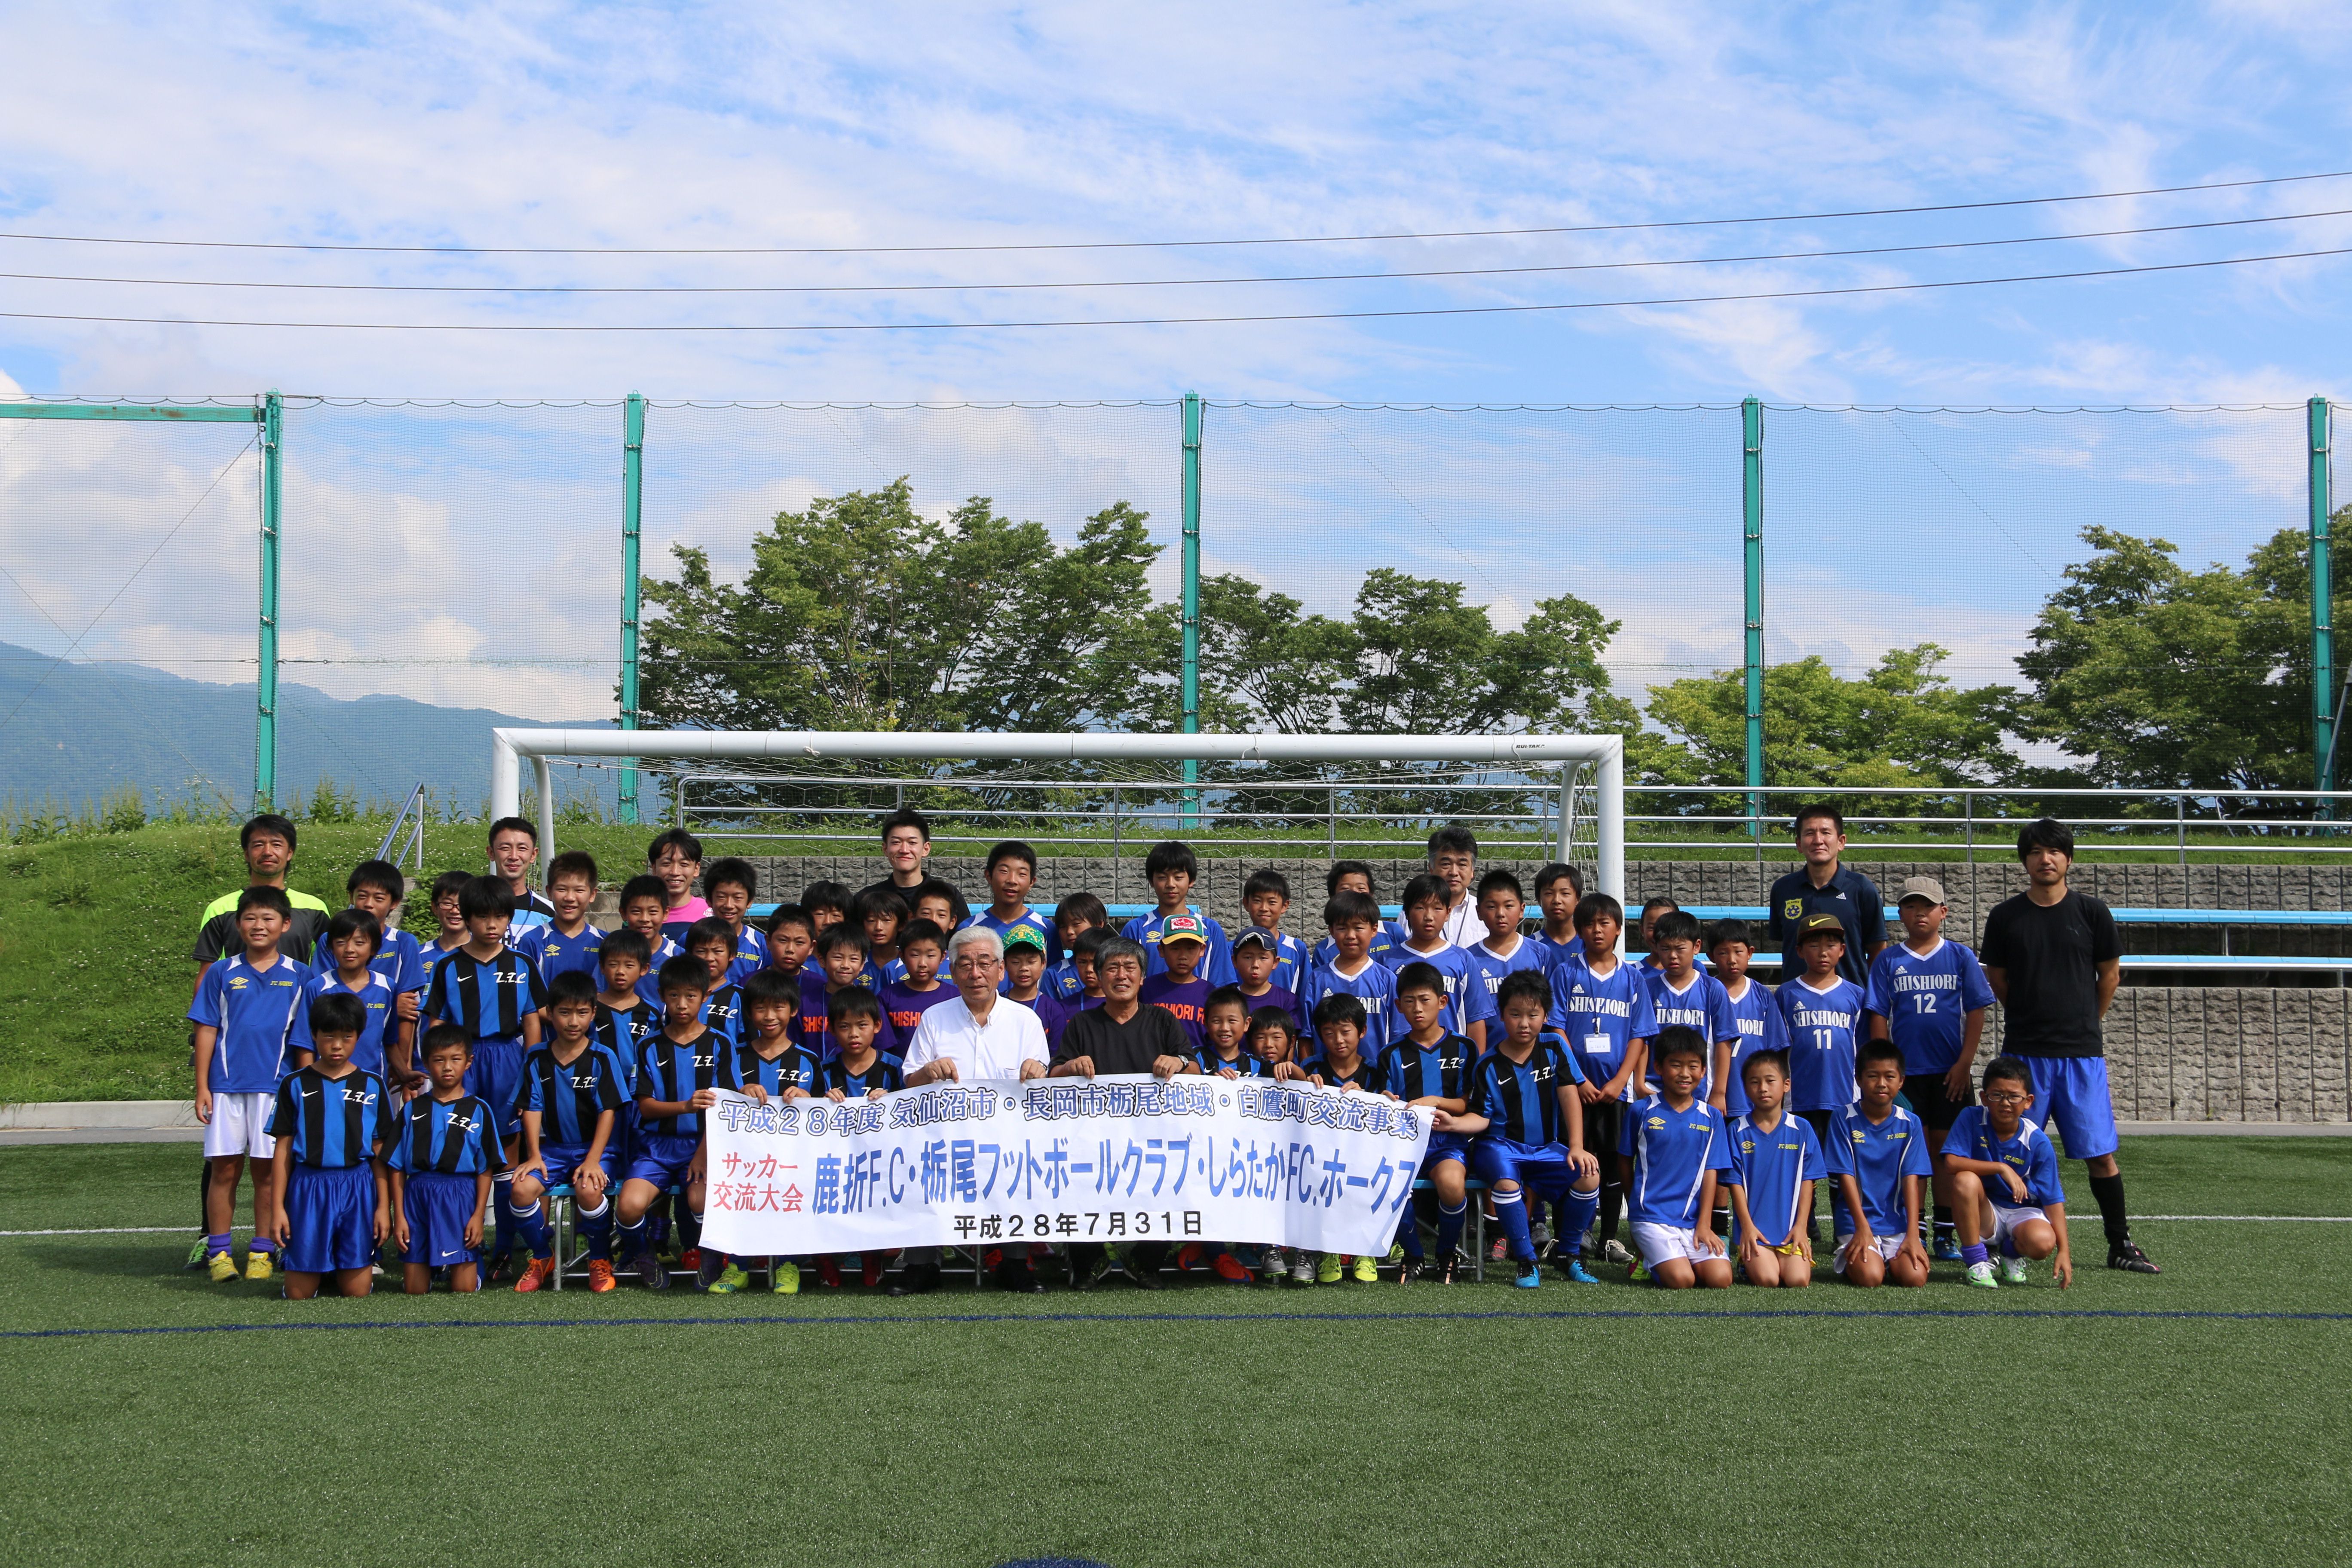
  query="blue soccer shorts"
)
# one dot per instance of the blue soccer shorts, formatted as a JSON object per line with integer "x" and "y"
{"x": 2071, "y": 1094}
{"x": 662, "y": 1159}
{"x": 562, "y": 1159}
{"x": 496, "y": 1076}
{"x": 331, "y": 1218}
{"x": 1542, "y": 1171}
{"x": 439, "y": 1205}
{"x": 1445, "y": 1146}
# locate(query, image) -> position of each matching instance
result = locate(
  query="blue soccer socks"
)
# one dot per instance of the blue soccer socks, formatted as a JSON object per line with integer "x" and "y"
{"x": 596, "y": 1224}
{"x": 1449, "y": 1227}
{"x": 1511, "y": 1214}
{"x": 532, "y": 1223}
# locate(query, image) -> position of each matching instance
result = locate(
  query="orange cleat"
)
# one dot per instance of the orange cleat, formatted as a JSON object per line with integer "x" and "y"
{"x": 536, "y": 1273}
{"x": 1188, "y": 1257}
{"x": 599, "y": 1275}
{"x": 870, "y": 1273}
{"x": 828, "y": 1273}
{"x": 690, "y": 1260}
{"x": 1229, "y": 1268}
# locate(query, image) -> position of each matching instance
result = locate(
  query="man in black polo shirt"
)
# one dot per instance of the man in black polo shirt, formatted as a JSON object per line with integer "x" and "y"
{"x": 1826, "y": 888}
{"x": 2054, "y": 959}
{"x": 1122, "y": 1036}
{"x": 906, "y": 846}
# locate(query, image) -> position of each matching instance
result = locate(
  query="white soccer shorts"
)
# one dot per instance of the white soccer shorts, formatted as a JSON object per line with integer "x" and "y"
{"x": 2006, "y": 1220}
{"x": 240, "y": 1125}
{"x": 1659, "y": 1244}
{"x": 1887, "y": 1246}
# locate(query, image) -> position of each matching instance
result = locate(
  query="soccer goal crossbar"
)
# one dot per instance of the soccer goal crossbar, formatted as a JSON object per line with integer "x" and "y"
{"x": 511, "y": 748}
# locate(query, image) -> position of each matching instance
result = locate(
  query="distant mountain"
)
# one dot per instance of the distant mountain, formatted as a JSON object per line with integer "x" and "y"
{"x": 78, "y": 731}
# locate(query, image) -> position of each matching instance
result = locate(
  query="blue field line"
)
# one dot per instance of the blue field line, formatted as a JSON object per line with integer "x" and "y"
{"x": 861, "y": 1319}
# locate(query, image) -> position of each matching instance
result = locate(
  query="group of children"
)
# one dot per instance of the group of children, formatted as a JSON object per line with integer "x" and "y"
{"x": 434, "y": 1093}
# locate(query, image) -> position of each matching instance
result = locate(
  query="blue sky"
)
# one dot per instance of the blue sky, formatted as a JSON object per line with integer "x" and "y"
{"x": 882, "y": 125}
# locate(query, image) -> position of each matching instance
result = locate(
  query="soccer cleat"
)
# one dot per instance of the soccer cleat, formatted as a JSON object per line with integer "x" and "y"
{"x": 915, "y": 1279}
{"x": 1576, "y": 1273}
{"x": 2127, "y": 1256}
{"x": 690, "y": 1260}
{"x": 1230, "y": 1268}
{"x": 1327, "y": 1269}
{"x": 651, "y": 1273}
{"x": 222, "y": 1266}
{"x": 828, "y": 1273}
{"x": 869, "y": 1271}
{"x": 1015, "y": 1275}
{"x": 259, "y": 1264}
{"x": 1367, "y": 1271}
{"x": 1531, "y": 1274}
{"x": 535, "y": 1273}
{"x": 1946, "y": 1248}
{"x": 1450, "y": 1269}
{"x": 1302, "y": 1268}
{"x": 1410, "y": 1270}
{"x": 784, "y": 1277}
{"x": 1274, "y": 1266}
{"x": 1145, "y": 1278}
{"x": 494, "y": 1269}
{"x": 2012, "y": 1272}
{"x": 1613, "y": 1251}
{"x": 1541, "y": 1234}
{"x": 727, "y": 1280}
{"x": 1190, "y": 1257}
{"x": 1396, "y": 1252}
{"x": 1097, "y": 1272}
{"x": 600, "y": 1275}
{"x": 199, "y": 1254}
{"x": 1634, "y": 1273}
{"x": 1499, "y": 1250}
{"x": 1980, "y": 1276}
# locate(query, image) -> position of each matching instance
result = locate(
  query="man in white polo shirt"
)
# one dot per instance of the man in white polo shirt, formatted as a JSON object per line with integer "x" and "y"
{"x": 980, "y": 1034}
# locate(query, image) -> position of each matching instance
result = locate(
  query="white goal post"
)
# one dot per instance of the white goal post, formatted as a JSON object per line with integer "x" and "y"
{"x": 510, "y": 748}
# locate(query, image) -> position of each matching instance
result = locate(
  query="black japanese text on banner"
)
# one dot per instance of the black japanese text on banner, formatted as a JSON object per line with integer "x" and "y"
{"x": 1107, "y": 1159}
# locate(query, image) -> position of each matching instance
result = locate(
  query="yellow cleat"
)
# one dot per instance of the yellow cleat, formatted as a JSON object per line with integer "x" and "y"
{"x": 222, "y": 1266}
{"x": 786, "y": 1279}
{"x": 1367, "y": 1271}
{"x": 258, "y": 1264}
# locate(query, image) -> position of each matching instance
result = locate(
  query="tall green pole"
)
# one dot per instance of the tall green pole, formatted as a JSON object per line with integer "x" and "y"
{"x": 1751, "y": 492}
{"x": 2323, "y": 610}
{"x": 633, "y": 485}
{"x": 1191, "y": 602}
{"x": 265, "y": 685}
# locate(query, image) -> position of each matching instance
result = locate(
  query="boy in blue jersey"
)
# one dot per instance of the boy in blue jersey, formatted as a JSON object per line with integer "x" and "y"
{"x": 1502, "y": 907}
{"x": 1527, "y": 1120}
{"x": 767, "y": 1064}
{"x": 566, "y": 942}
{"x": 1265, "y": 897}
{"x": 942, "y": 904}
{"x": 1352, "y": 876}
{"x": 1351, "y": 970}
{"x": 1680, "y": 994}
{"x": 905, "y": 1000}
{"x": 378, "y": 886}
{"x": 1024, "y": 981}
{"x": 1601, "y": 1006}
{"x": 883, "y": 916}
{"x": 1559, "y": 888}
{"x": 1878, "y": 1153}
{"x": 445, "y": 1152}
{"x": 677, "y": 1075}
{"x": 1172, "y": 871}
{"x": 514, "y": 845}
{"x": 243, "y": 1010}
{"x": 1677, "y": 1143}
{"x": 1426, "y": 913}
{"x": 1224, "y": 1049}
{"x": 624, "y": 1016}
{"x": 1431, "y": 1067}
{"x": 1774, "y": 1161}
{"x": 1929, "y": 996}
{"x": 569, "y": 1108}
{"x": 350, "y": 949}
{"x": 709, "y": 943}
{"x": 1822, "y": 1013}
{"x": 329, "y": 1206}
{"x": 1012, "y": 872}
{"x": 1731, "y": 947}
{"x": 1175, "y": 986}
{"x": 1256, "y": 961}
{"x": 729, "y": 886}
{"x": 1073, "y": 918}
{"x": 643, "y": 903}
{"x": 2005, "y": 1188}
{"x": 491, "y": 992}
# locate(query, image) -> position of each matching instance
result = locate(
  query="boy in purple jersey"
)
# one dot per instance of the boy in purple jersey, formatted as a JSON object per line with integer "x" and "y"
{"x": 1559, "y": 888}
{"x": 567, "y": 942}
{"x": 1601, "y": 1006}
{"x": 1677, "y": 1144}
{"x": 1256, "y": 963}
{"x": 1680, "y": 994}
{"x": 1351, "y": 970}
{"x": 1502, "y": 905}
{"x": 1425, "y": 941}
{"x": 1731, "y": 946}
{"x": 905, "y": 1001}
{"x": 2005, "y": 1186}
{"x": 841, "y": 967}
{"x": 1172, "y": 871}
{"x": 1024, "y": 972}
{"x": 1878, "y": 1152}
{"x": 1177, "y": 990}
{"x": 1266, "y": 898}
{"x": 1930, "y": 996}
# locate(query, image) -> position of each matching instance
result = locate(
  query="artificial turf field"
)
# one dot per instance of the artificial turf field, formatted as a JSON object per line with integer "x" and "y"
{"x": 2200, "y": 1417}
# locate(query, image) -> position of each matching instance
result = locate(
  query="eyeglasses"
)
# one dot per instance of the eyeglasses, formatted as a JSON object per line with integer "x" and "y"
{"x": 2004, "y": 1096}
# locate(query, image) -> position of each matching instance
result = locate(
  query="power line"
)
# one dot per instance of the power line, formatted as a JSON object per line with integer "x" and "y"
{"x": 1167, "y": 282}
{"x": 1858, "y": 289}
{"x": 1168, "y": 244}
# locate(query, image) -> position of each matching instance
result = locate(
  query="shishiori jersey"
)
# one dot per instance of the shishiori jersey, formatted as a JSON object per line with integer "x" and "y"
{"x": 1554, "y": 953}
{"x": 673, "y": 1070}
{"x": 1375, "y": 986}
{"x": 553, "y": 953}
{"x": 335, "y": 1123}
{"x": 883, "y": 1073}
{"x": 253, "y": 1009}
{"x": 1412, "y": 1071}
{"x": 1926, "y": 999}
{"x": 374, "y": 995}
{"x": 903, "y": 1008}
{"x": 1600, "y": 1015}
{"x": 812, "y": 1024}
{"x": 450, "y": 1137}
{"x": 1247, "y": 1064}
{"x": 1522, "y": 1100}
{"x": 1703, "y": 1005}
{"x": 1824, "y": 1028}
{"x": 1878, "y": 1155}
{"x": 1489, "y": 969}
{"x": 1454, "y": 963}
{"x": 489, "y": 1001}
{"x": 1757, "y": 1019}
{"x": 1672, "y": 1151}
{"x": 2029, "y": 1153}
{"x": 792, "y": 1068}
{"x": 570, "y": 1096}
{"x": 620, "y": 1031}
{"x": 400, "y": 962}
{"x": 1777, "y": 1168}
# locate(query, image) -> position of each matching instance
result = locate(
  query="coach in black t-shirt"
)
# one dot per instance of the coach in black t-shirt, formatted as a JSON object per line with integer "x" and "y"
{"x": 1826, "y": 888}
{"x": 2054, "y": 960}
{"x": 1122, "y": 1036}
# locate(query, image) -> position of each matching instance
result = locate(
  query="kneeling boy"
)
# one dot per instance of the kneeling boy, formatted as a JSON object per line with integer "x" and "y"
{"x": 1774, "y": 1161}
{"x": 330, "y": 1210}
{"x": 1878, "y": 1153}
{"x": 2005, "y": 1187}
{"x": 1676, "y": 1142}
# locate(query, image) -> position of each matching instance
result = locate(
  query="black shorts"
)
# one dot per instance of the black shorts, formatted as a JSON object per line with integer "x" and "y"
{"x": 1601, "y": 1120}
{"x": 1937, "y": 1108}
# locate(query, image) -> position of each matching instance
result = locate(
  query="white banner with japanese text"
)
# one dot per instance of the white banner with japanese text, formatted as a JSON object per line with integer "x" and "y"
{"x": 1108, "y": 1160}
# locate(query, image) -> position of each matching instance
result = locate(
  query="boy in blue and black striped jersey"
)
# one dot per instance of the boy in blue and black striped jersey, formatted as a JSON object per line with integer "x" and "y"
{"x": 677, "y": 1078}
{"x": 644, "y": 902}
{"x": 444, "y": 1153}
{"x": 329, "y": 1208}
{"x": 491, "y": 992}
{"x": 350, "y": 949}
{"x": 711, "y": 944}
{"x": 1526, "y": 1118}
{"x": 767, "y": 1064}
{"x": 1431, "y": 1067}
{"x": 860, "y": 1068}
{"x": 567, "y": 942}
{"x": 570, "y": 1108}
